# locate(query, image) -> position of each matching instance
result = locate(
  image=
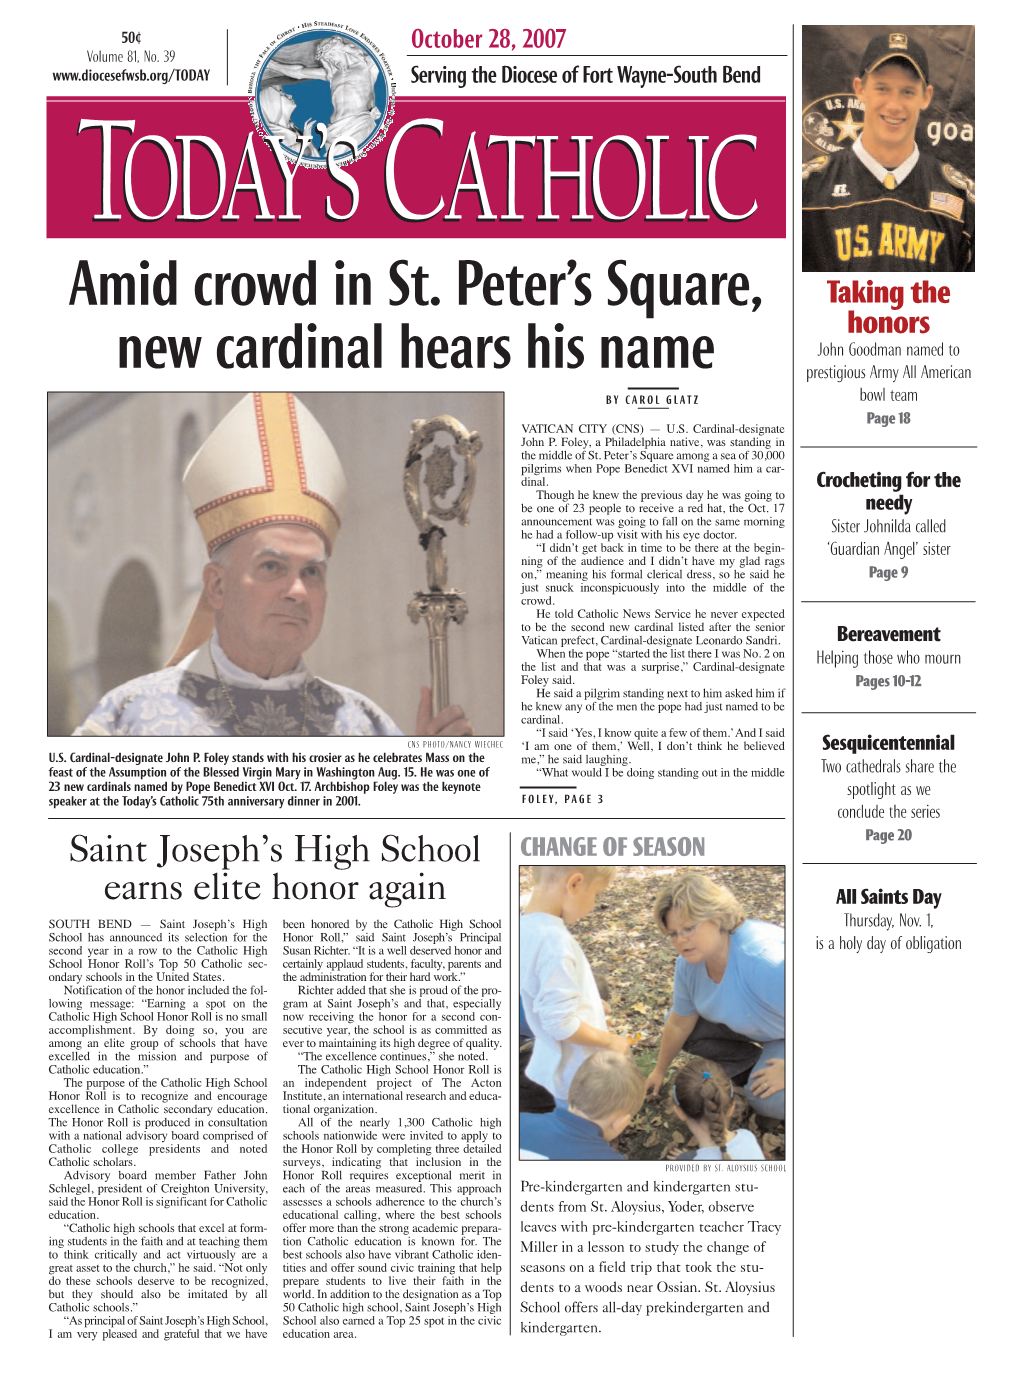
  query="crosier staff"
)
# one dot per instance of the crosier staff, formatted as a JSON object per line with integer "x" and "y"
{"x": 439, "y": 604}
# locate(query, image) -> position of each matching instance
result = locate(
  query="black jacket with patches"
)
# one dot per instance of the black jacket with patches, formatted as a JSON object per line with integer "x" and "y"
{"x": 850, "y": 221}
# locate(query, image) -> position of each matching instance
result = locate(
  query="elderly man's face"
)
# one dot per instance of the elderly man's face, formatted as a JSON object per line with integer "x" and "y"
{"x": 269, "y": 595}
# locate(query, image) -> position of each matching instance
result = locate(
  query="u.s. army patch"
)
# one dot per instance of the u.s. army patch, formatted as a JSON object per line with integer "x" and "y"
{"x": 832, "y": 122}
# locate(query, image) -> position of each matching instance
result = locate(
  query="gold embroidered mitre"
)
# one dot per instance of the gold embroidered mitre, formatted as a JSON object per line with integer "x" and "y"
{"x": 268, "y": 461}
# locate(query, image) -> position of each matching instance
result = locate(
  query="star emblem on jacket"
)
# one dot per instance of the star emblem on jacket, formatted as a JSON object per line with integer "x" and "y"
{"x": 848, "y": 127}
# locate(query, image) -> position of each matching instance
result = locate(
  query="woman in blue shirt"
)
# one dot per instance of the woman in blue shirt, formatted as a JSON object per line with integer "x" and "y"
{"x": 728, "y": 989}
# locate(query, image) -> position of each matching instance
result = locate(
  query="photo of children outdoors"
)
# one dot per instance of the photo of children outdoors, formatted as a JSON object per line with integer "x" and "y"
{"x": 652, "y": 1013}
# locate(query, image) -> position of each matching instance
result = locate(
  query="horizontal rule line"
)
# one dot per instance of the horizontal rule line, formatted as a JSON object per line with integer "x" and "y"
{"x": 504, "y": 819}
{"x": 649, "y": 818}
{"x": 481, "y": 98}
{"x": 888, "y": 863}
{"x": 883, "y": 446}
{"x": 889, "y": 602}
{"x": 888, "y": 712}
{"x": 494, "y": 53}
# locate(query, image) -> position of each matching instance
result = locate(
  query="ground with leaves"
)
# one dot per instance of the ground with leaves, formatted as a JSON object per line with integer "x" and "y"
{"x": 626, "y": 949}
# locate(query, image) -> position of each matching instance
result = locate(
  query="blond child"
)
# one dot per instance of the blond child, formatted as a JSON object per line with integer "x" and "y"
{"x": 604, "y": 1096}
{"x": 559, "y": 993}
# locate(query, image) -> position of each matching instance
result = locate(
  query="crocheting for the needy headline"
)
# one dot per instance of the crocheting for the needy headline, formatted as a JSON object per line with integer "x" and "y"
{"x": 450, "y": 394}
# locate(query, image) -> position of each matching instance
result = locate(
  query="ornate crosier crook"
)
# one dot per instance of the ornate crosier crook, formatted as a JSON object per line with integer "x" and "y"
{"x": 439, "y": 604}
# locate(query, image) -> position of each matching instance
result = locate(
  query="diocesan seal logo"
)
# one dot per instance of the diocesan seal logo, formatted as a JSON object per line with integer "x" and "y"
{"x": 323, "y": 94}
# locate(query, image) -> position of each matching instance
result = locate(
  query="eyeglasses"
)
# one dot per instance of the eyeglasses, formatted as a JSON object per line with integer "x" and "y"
{"x": 682, "y": 933}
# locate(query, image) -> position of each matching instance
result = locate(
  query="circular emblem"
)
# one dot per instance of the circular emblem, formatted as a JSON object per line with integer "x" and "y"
{"x": 832, "y": 122}
{"x": 958, "y": 179}
{"x": 323, "y": 93}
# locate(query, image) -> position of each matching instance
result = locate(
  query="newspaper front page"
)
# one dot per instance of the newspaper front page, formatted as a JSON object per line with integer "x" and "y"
{"x": 518, "y": 705}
